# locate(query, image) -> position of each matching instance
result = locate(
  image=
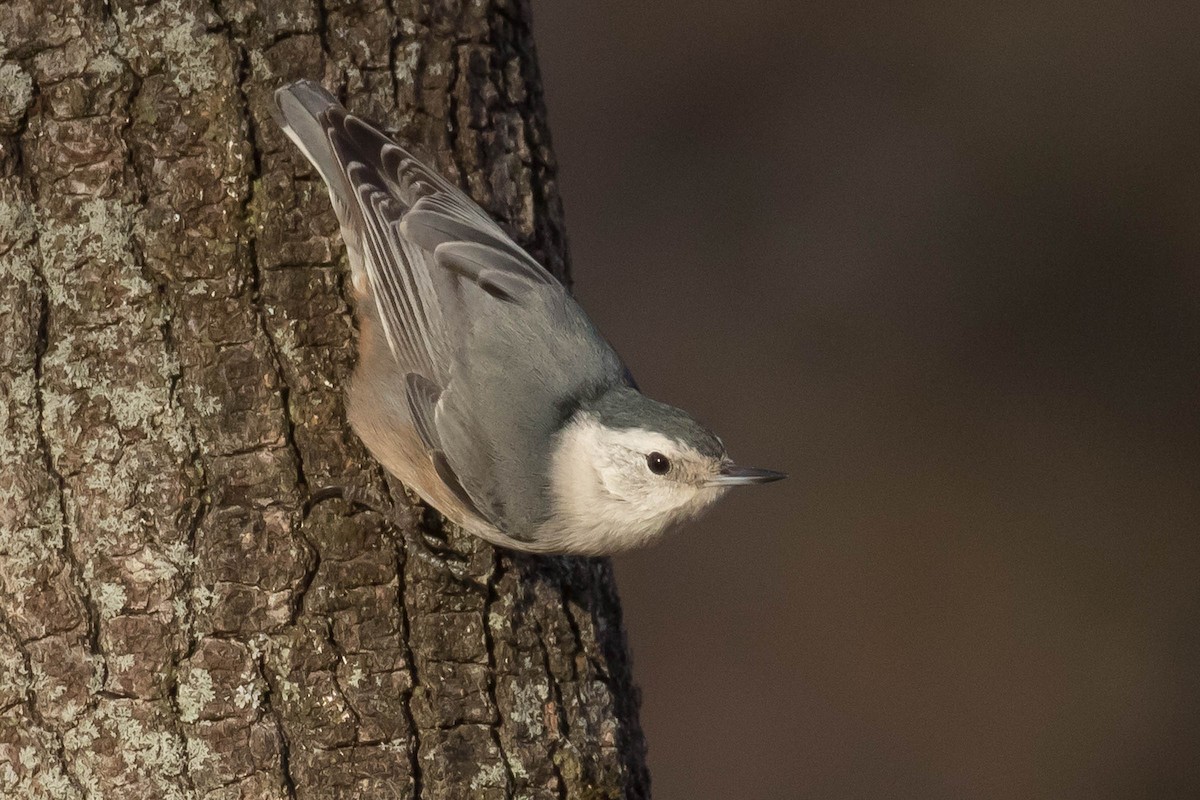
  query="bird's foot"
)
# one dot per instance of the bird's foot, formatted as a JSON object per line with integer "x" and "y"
{"x": 356, "y": 496}
{"x": 428, "y": 541}
{"x": 424, "y": 538}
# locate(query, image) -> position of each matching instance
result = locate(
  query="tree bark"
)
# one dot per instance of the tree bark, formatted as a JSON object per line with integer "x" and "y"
{"x": 178, "y": 616}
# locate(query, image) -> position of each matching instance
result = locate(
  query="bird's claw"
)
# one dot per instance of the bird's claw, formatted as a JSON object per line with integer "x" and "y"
{"x": 426, "y": 540}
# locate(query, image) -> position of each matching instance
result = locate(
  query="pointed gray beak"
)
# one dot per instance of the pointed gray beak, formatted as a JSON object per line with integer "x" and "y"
{"x": 733, "y": 475}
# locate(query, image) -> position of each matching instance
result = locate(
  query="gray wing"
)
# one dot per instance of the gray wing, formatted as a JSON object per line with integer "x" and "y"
{"x": 493, "y": 348}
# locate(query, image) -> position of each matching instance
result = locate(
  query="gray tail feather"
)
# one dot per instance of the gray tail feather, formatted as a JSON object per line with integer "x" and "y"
{"x": 303, "y": 110}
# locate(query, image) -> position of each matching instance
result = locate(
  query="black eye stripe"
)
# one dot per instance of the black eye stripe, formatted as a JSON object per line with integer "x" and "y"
{"x": 658, "y": 463}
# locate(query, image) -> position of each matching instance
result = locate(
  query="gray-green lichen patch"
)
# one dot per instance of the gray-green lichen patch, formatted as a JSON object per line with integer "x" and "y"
{"x": 14, "y": 677}
{"x": 28, "y": 766}
{"x": 247, "y": 696}
{"x": 16, "y": 94}
{"x": 199, "y": 753}
{"x": 195, "y": 692}
{"x": 101, "y": 235}
{"x": 126, "y": 739}
{"x": 528, "y": 708}
{"x": 16, "y": 234}
{"x": 109, "y": 598}
{"x": 18, "y": 432}
{"x": 23, "y": 551}
{"x": 98, "y": 396}
{"x": 273, "y": 21}
{"x": 488, "y": 776}
{"x": 171, "y": 35}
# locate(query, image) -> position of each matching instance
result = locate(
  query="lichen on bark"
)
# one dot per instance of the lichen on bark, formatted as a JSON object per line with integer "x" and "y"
{"x": 178, "y": 617}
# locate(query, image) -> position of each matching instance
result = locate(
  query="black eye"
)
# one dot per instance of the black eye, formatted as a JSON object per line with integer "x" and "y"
{"x": 658, "y": 463}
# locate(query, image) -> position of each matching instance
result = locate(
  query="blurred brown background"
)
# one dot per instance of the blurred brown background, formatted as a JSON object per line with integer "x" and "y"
{"x": 939, "y": 262}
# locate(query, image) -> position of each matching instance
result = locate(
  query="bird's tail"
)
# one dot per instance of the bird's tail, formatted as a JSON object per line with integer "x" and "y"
{"x": 304, "y": 110}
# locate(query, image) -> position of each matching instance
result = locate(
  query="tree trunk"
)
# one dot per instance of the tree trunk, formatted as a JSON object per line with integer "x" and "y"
{"x": 179, "y": 617}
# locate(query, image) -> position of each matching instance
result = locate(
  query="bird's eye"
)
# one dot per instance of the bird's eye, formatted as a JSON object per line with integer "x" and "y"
{"x": 658, "y": 463}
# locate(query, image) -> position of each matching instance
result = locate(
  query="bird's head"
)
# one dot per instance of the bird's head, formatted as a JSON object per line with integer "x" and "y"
{"x": 626, "y": 468}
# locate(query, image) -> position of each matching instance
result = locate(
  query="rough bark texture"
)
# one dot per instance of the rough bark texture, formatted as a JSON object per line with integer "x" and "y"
{"x": 177, "y": 617}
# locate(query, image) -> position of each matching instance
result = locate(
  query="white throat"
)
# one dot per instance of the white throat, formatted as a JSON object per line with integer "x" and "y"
{"x": 603, "y": 497}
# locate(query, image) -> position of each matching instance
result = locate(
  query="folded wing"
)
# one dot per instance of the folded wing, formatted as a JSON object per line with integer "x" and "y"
{"x": 491, "y": 344}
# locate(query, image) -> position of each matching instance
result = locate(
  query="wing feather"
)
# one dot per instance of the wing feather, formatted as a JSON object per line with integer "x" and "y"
{"x": 423, "y": 395}
{"x": 402, "y": 311}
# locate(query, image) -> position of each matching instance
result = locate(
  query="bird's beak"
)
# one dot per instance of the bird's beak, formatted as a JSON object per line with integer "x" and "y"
{"x": 733, "y": 475}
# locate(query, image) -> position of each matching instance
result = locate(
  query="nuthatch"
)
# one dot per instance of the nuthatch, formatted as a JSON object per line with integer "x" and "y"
{"x": 480, "y": 383}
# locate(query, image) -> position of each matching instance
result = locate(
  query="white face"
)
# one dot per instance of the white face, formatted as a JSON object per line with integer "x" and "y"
{"x": 615, "y": 489}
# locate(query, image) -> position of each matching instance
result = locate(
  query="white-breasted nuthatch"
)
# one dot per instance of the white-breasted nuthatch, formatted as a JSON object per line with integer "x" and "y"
{"x": 480, "y": 383}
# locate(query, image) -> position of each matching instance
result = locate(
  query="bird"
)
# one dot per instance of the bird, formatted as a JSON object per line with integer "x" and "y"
{"x": 480, "y": 383}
